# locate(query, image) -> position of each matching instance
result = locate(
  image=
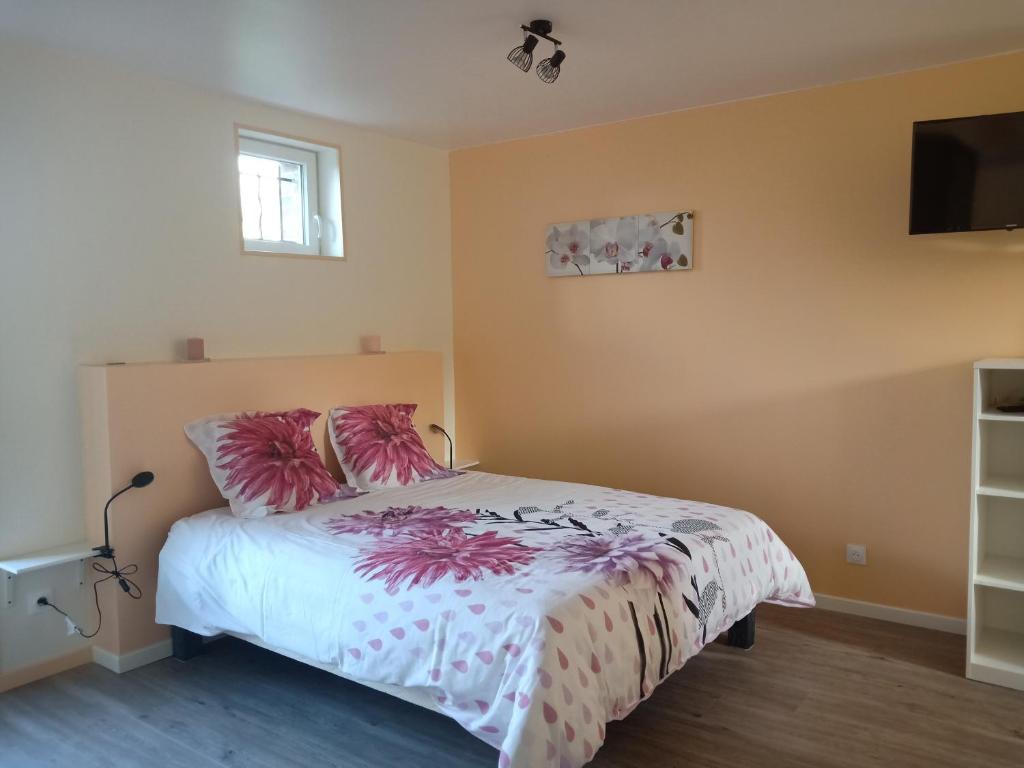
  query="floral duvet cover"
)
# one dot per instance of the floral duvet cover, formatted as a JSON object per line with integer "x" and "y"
{"x": 532, "y": 612}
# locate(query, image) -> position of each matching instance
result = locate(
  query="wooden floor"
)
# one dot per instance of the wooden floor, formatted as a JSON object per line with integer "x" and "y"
{"x": 819, "y": 689}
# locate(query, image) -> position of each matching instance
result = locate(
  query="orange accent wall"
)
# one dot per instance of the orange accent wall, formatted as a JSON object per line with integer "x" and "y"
{"x": 813, "y": 368}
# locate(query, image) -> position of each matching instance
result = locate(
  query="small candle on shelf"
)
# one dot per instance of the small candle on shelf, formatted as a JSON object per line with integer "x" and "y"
{"x": 195, "y": 349}
{"x": 370, "y": 345}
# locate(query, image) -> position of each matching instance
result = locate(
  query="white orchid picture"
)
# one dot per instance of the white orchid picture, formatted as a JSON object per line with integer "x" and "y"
{"x": 652, "y": 242}
{"x": 665, "y": 242}
{"x": 612, "y": 244}
{"x": 567, "y": 249}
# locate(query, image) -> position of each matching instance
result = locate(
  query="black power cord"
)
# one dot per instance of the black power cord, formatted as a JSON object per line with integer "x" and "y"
{"x": 128, "y": 586}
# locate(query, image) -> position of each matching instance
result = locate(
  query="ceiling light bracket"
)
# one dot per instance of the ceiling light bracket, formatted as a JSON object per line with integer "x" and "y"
{"x": 541, "y": 28}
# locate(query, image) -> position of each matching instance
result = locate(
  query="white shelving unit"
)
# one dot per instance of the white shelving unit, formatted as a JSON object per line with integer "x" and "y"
{"x": 995, "y": 599}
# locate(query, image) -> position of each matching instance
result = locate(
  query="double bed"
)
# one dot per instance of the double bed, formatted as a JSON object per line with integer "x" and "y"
{"x": 531, "y": 612}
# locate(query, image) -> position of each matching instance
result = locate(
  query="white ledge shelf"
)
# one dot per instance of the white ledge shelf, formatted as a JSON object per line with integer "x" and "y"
{"x": 466, "y": 464}
{"x": 992, "y": 414}
{"x": 1001, "y": 572}
{"x": 1002, "y": 485}
{"x": 47, "y": 558}
{"x": 1000, "y": 364}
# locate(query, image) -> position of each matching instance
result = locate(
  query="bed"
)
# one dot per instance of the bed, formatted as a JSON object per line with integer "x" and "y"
{"x": 532, "y": 612}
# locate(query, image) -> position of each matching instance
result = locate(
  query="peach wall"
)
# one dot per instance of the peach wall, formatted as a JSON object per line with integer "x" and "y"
{"x": 814, "y": 368}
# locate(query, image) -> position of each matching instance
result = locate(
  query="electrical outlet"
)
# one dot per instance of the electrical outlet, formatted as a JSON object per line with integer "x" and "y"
{"x": 32, "y": 600}
{"x": 856, "y": 554}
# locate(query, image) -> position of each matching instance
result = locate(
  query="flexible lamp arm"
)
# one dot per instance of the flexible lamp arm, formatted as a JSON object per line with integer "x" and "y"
{"x": 106, "y": 550}
{"x": 140, "y": 480}
{"x": 451, "y": 447}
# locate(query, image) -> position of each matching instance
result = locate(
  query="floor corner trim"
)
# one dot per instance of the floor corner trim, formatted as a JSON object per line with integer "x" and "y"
{"x": 126, "y": 662}
{"x": 923, "y": 619}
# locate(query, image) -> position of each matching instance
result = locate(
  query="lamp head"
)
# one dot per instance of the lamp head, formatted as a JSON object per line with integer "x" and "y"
{"x": 549, "y": 69}
{"x": 142, "y": 479}
{"x": 522, "y": 55}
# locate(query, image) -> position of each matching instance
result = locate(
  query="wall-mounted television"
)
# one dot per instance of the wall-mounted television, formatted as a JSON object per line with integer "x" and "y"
{"x": 968, "y": 174}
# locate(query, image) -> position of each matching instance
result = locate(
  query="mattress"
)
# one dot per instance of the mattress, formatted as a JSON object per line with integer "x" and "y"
{"x": 532, "y": 612}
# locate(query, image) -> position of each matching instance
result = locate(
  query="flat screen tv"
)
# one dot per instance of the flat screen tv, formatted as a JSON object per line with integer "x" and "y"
{"x": 968, "y": 174}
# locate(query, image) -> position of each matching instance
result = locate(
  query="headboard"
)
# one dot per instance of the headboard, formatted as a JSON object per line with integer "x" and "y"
{"x": 133, "y": 417}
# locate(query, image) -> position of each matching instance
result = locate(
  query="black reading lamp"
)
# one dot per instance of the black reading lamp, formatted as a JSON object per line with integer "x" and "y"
{"x": 141, "y": 480}
{"x": 451, "y": 450}
{"x": 129, "y": 587}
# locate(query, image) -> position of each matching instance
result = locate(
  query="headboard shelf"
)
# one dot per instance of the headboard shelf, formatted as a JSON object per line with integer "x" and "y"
{"x": 133, "y": 418}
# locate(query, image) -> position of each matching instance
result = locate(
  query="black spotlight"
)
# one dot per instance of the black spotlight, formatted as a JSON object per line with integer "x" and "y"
{"x": 549, "y": 69}
{"x": 522, "y": 55}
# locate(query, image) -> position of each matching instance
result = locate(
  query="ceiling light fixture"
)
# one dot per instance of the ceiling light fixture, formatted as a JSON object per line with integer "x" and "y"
{"x": 549, "y": 69}
{"x": 522, "y": 56}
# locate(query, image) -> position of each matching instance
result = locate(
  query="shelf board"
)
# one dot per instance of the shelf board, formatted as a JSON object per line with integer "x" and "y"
{"x": 1002, "y": 485}
{"x": 1001, "y": 572}
{"x": 467, "y": 463}
{"x": 991, "y": 414}
{"x": 1000, "y": 649}
{"x": 47, "y": 558}
{"x": 1000, "y": 364}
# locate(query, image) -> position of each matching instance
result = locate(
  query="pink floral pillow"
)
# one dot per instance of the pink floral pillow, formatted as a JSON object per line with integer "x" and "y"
{"x": 378, "y": 447}
{"x": 266, "y": 462}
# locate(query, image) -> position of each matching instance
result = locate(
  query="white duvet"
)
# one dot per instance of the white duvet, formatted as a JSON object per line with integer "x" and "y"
{"x": 531, "y": 612}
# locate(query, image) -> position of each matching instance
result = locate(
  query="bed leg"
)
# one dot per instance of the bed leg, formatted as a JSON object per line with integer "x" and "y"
{"x": 185, "y": 644}
{"x": 741, "y": 634}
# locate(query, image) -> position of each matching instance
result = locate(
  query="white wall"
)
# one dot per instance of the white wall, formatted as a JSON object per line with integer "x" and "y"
{"x": 119, "y": 238}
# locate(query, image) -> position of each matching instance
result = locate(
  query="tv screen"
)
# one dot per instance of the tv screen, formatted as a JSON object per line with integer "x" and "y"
{"x": 968, "y": 174}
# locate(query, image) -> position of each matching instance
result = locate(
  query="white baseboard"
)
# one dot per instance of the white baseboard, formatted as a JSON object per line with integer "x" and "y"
{"x": 890, "y": 613}
{"x": 129, "y": 661}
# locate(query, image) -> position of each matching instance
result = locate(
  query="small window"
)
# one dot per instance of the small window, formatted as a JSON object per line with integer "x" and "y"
{"x": 284, "y": 185}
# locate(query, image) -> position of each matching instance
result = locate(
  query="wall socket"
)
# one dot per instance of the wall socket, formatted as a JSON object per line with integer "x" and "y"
{"x": 856, "y": 554}
{"x": 32, "y": 601}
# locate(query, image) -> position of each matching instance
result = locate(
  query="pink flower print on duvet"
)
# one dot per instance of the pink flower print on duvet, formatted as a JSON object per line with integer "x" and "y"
{"x": 413, "y": 521}
{"x": 618, "y": 558}
{"x": 426, "y": 558}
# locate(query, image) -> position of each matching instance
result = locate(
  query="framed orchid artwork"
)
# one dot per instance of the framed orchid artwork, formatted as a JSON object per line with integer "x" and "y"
{"x": 568, "y": 249}
{"x": 665, "y": 242}
{"x": 651, "y": 242}
{"x": 612, "y": 244}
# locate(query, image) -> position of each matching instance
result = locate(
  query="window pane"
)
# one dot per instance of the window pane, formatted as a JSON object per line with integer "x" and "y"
{"x": 271, "y": 194}
{"x": 249, "y": 185}
{"x": 292, "y": 229}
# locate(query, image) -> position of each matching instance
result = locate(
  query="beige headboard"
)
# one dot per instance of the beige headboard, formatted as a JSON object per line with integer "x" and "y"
{"x": 133, "y": 418}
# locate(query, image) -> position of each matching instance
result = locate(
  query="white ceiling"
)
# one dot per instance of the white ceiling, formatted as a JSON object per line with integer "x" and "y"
{"x": 434, "y": 70}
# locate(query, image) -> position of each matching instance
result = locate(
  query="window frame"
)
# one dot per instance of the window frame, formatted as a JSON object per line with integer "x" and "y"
{"x": 329, "y": 193}
{"x": 306, "y": 160}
